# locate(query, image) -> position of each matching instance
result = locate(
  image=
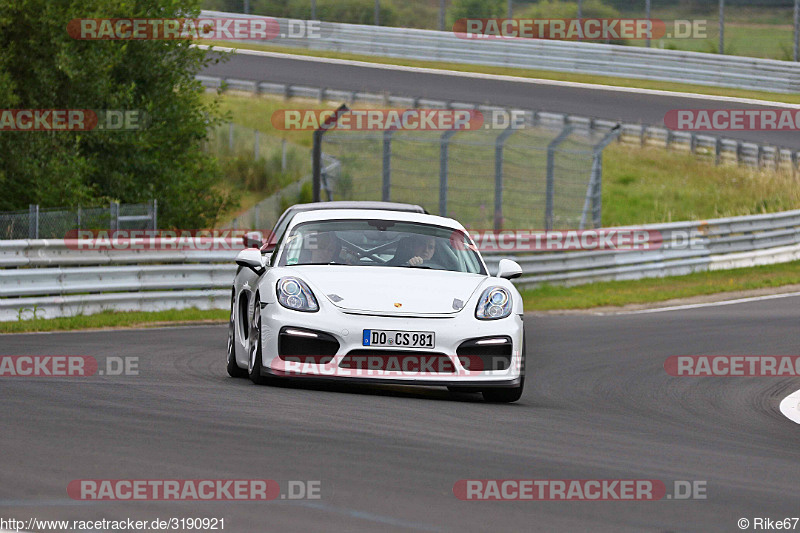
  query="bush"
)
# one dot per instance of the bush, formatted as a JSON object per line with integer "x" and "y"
{"x": 349, "y": 11}
{"x": 558, "y": 9}
{"x": 476, "y": 9}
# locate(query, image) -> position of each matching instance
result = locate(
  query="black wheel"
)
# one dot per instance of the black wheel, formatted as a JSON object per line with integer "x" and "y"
{"x": 508, "y": 394}
{"x": 254, "y": 346}
{"x": 234, "y": 370}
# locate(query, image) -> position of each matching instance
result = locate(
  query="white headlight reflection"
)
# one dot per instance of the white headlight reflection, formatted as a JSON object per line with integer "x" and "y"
{"x": 294, "y": 294}
{"x": 495, "y": 303}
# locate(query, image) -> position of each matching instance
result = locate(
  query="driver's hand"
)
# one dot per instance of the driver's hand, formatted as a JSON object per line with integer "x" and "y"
{"x": 415, "y": 261}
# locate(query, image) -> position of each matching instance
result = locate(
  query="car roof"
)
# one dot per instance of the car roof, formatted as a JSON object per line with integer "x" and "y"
{"x": 387, "y": 206}
{"x": 375, "y": 214}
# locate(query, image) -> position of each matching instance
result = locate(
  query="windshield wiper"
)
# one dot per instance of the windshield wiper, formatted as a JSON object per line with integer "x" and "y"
{"x": 321, "y": 263}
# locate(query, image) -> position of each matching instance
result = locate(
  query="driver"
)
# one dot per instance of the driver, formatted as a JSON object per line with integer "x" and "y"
{"x": 422, "y": 250}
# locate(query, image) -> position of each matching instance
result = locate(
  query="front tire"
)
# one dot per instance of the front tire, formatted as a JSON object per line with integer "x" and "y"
{"x": 254, "y": 365}
{"x": 234, "y": 370}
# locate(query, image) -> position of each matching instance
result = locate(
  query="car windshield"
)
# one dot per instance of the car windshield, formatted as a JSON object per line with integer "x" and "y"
{"x": 380, "y": 243}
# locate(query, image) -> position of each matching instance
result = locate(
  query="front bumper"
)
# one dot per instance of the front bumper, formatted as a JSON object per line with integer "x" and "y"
{"x": 347, "y": 329}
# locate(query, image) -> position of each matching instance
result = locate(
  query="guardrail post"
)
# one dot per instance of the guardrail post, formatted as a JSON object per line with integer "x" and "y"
{"x": 386, "y": 189}
{"x": 739, "y": 152}
{"x": 551, "y": 165}
{"x": 693, "y": 143}
{"x": 717, "y": 150}
{"x": 316, "y": 152}
{"x": 33, "y": 221}
{"x": 444, "y": 149}
{"x": 643, "y": 135}
{"x": 498, "y": 176}
{"x": 759, "y": 155}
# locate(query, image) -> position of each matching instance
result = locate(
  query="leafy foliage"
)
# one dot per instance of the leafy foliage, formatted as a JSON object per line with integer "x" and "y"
{"x": 42, "y": 67}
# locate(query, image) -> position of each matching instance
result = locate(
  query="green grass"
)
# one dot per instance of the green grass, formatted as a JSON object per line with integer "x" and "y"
{"x": 618, "y": 293}
{"x": 640, "y": 185}
{"x": 650, "y": 185}
{"x": 111, "y": 319}
{"x": 530, "y": 73}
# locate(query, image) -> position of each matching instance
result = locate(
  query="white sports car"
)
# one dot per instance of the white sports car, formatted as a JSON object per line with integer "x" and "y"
{"x": 375, "y": 292}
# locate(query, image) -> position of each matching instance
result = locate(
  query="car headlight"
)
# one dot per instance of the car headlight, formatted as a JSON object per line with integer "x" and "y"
{"x": 495, "y": 303}
{"x": 294, "y": 294}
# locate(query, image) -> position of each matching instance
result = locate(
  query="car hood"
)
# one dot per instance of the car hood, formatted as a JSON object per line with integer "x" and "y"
{"x": 381, "y": 289}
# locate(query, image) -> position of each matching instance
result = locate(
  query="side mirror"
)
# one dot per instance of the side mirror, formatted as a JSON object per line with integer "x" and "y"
{"x": 251, "y": 258}
{"x": 253, "y": 239}
{"x": 508, "y": 269}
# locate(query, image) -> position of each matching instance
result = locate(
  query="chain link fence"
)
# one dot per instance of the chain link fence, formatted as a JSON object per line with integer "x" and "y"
{"x": 527, "y": 178}
{"x": 55, "y": 223}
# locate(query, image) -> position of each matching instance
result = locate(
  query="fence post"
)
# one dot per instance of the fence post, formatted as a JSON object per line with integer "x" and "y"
{"x": 717, "y": 150}
{"x": 498, "y": 176}
{"x": 255, "y": 146}
{"x": 230, "y": 136}
{"x": 444, "y": 150}
{"x": 386, "y": 189}
{"x": 551, "y": 165}
{"x": 594, "y": 190}
{"x": 283, "y": 155}
{"x": 155, "y": 214}
{"x": 33, "y": 221}
{"x": 113, "y": 212}
{"x": 316, "y": 152}
{"x": 79, "y": 217}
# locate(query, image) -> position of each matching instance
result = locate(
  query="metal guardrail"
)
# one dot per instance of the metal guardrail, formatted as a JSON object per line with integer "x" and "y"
{"x": 51, "y": 278}
{"x": 720, "y": 149}
{"x": 541, "y": 54}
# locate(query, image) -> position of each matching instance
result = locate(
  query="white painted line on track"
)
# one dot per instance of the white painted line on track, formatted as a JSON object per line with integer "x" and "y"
{"x": 500, "y": 77}
{"x": 790, "y": 407}
{"x": 707, "y": 304}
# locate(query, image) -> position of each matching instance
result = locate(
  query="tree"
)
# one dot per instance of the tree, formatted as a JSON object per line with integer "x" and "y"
{"x": 42, "y": 67}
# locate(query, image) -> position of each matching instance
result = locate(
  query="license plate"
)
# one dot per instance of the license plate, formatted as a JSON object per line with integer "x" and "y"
{"x": 405, "y": 339}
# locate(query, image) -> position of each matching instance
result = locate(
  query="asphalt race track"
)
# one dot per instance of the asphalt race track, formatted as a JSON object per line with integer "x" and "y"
{"x": 598, "y": 404}
{"x": 599, "y": 103}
